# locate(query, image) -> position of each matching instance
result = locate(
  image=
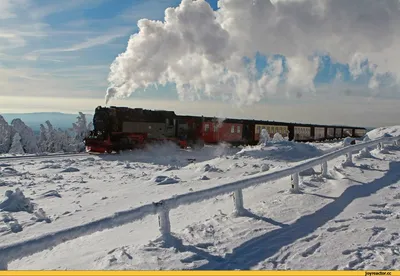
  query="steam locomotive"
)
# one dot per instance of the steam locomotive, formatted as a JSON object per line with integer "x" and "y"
{"x": 123, "y": 128}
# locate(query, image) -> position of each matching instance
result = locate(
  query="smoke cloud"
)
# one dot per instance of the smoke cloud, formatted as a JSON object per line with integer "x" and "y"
{"x": 203, "y": 51}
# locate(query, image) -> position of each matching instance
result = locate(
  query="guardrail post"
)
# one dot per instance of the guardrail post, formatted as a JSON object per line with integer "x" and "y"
{"x": 379, "y": 146}
{"x": 163, "y": 221}
{"x": 395, "y": 143}
{"x": 238, "y": 200}
{"x": 324, "y": 169}
{"x": 295, "y": 182}
{"x": 349, "y": 159}
{"x": 365, "y": 151}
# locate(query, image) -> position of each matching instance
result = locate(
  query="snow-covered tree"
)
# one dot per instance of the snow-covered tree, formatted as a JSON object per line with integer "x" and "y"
{"x": 16, "y": 146}
{"x": 278, "y": 137}
{"x": 80, "y": 129}
{"x": 28, "y": 138}
{"x": 5, "y": 135}
{"x": 264, "y": 137}
{"x": 54, "y": 138}
{"x": 42, "y": 143}
{"x": 65, "y": 141}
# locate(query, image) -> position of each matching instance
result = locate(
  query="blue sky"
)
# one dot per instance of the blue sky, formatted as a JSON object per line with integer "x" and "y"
{"x": 76, "y": 41}
{"x": 63, "y": 49}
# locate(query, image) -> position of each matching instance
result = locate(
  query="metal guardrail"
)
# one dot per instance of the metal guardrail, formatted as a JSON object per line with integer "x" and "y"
{"x": 162, "y": 208}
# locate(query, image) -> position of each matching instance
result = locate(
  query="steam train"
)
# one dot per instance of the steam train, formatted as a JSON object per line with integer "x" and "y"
{"x": 123, "y": 128}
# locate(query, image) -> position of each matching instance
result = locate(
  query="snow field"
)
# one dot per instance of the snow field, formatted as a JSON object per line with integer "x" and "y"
{"x": 271, "y": 206}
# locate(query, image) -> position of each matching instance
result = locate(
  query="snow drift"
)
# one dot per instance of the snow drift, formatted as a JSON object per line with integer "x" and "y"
{"x": 382, "y": 131}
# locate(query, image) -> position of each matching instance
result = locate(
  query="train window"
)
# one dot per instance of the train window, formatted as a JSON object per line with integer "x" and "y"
{"x": 206, "y": 127}
{"x": 232, "y": 129}
{"x": 238, "y": 129}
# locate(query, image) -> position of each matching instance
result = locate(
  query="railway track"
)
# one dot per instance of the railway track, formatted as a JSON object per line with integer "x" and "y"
{"x": 44, "y": 156}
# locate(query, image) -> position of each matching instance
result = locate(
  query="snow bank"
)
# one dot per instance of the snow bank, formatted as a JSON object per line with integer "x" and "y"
{"x": 27, "y": 247}
{"x": 348, "y": 141}
{"x": 165, "y": 180}
{"x": 282, "y": 150}
{"x": 16, "y": 202}
{"x": 381, "y": 131}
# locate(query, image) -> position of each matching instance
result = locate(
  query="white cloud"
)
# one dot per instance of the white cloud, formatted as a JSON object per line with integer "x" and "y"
{"x": 75, "y": 82}
{"x": 42, "y": 11}
{"x": 90, "y": 42}
{"x": 6, "y": 9}
{"x": 200, "y": 49}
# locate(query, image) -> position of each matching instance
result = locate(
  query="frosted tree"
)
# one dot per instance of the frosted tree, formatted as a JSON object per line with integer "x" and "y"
{"x": 264, "y": 137}
{"x": 68, "y": 142}
{"x": 64, "y": 141}
{"x": 54, "y": 139}
{"x": 42, "y": 143}
{"x": 80, "y": 129}
{"x": 5, "y": 135}
{"x": 16, "y": 146}
{"x": 278, "y": 137}
{"x": 28, "y": 138}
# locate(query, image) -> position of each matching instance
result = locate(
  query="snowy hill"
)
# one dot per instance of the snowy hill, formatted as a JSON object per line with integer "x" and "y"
{"x": 348, "y": 220}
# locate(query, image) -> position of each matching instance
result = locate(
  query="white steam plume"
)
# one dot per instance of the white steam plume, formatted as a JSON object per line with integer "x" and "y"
{"x": 202, "y": 50}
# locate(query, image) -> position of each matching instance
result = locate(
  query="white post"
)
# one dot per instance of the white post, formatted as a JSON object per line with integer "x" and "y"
{"x": 164, "y": 222}
{"x": 379, "y": 146}
{"x": 395, "y": 143}
{"x": 324, "y": 169}
{"x": 295, "y": 182}
{"x": 349, "y": 159}
{"x": 238, "y": 200}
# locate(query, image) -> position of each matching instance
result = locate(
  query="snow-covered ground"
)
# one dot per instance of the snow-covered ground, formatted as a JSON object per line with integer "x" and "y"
{"x": 348, "y": 221}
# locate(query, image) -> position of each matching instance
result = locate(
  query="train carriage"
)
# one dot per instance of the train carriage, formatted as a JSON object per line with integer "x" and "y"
{"x": 302, "y": 133}
{"x": 271, "y": 129}
{"x": 216, "y": 131}
{"x": 319, "y": 133}
{"x": 338, "y": 132}
{"x": 359, "y": 132}
{"x": 347, "y": 132}
{"x": 330, "y": 132}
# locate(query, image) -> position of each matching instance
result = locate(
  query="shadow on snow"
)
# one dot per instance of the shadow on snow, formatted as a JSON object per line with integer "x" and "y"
{"x": 258, "y": 249}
